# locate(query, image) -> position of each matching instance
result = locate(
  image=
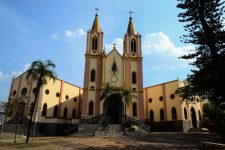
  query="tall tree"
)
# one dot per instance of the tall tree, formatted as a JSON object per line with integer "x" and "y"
{"x": 205, "y": 30}
{"x": 39, "y": 71}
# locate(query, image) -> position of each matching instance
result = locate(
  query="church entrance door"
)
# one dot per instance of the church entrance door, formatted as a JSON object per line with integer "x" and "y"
{"x": 113, "y": 109}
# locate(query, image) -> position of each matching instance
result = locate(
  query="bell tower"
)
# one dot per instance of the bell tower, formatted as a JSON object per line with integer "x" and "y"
{"x": 133, "y": 69}
{"x": 93, "y": 70}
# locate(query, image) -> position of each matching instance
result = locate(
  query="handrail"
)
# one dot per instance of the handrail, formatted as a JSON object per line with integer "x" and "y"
{"x": 143, "y": 126}
{"x": 82, "y": 124}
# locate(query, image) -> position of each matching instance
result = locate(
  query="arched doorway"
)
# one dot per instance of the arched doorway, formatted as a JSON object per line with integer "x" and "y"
{"x": 193, "y": 118}
{"x": 114, "y": 108}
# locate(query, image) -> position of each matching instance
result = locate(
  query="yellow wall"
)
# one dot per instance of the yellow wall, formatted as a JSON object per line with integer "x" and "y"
{"x": 50, "y": 99}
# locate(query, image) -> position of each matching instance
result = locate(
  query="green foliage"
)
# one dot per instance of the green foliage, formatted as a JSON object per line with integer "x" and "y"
{"x": 125, "y": 94}
{"x": 216, "y": 115}
{"x": 205, "y": 30}
{"x": 203, "y": 23}
{"x": 39, "y": 71}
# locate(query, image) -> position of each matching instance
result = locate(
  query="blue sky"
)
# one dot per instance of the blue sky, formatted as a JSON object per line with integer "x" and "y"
{"x": 56, "y": 30}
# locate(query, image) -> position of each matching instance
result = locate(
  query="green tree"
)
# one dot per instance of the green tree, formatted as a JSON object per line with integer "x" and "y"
{"x": 205, "y": 30}
{"x": 215, "y": 114}
{"x": 125, "y": 94}
{"x": 204, "y": 23}
{"x": 17, "y": 109}
{"x": 2, "y": 115}
{"x": 39, "y": 71}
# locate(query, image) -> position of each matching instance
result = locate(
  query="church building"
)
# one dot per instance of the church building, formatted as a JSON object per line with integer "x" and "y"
{"x": 113, "y": 68}
{"x": 61, "y": 105}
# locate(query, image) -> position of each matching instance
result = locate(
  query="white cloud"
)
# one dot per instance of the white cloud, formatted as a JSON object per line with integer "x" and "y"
{"x": 70, "y": 35}
{"x": 119, "y": 45}
{"x": 160, "y": 43}
{"x": 3, "y": 77}
{"x": 80, "y": 32}
{"x": 55, "y": 36}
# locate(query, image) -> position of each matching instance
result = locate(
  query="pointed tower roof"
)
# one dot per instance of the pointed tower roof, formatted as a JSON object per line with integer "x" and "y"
{"x": 130, "y": 28}
{"x": 96, "y": 24}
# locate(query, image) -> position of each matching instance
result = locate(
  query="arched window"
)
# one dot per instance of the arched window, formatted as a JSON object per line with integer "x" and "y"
{"x": 94, "y": 43}
{"x": 91, "y": 108}
{"x": 92, "y": 75}
{"x": 65, "y": 113}
{"x": 55, "y": 111}
{"x": 151, "y": 115}
{"x": 161, "y": 114}
{"x": 134, "y": 109}
{"x": 199, "y": 115}
{"x": 44, "y": 110}
{"x": 185, "y": 113}
{"x": 174, "y": 113}
{"x": 133, "y": 46}
{"x": 134, "y": 78}
{"x": 74, "y": 113}
{"x": 24, "y": 92}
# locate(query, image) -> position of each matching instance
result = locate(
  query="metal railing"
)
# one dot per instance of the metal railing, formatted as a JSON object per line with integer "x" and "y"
{"x": 93, "y": 120}
{"x": 140, "y": 124}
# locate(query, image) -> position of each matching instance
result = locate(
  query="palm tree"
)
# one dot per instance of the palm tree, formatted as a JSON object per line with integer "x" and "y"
{"x": 124, "y": 93}
{"x": 39, "y": 70}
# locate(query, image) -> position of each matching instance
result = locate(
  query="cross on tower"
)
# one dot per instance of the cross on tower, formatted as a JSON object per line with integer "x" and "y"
{"x": 114, "y": 45}
{"x": 97, "y": 9}
{"x": 130, "y": 12}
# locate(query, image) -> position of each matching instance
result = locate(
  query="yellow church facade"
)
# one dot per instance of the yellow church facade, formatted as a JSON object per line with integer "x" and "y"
{"x": 60, "y": 104}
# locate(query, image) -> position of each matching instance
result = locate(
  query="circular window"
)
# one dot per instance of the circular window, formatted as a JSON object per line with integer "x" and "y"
{"x": 75, "y": 99}
{"x": 14, "y": 93}
{"x": 47, "y": 91}
{"x": 34, "y": 90}
{"x": 160, "y": 98}
{"x": 172, "y": 96}
{"x": 24, "y": 92}
{"x": 57, "y": 94}
{"x": 67, "y": 96}
{"x": 150, "y": 100}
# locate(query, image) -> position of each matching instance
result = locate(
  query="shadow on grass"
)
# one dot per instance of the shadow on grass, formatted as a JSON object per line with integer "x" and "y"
{"x": 21, "y": 145}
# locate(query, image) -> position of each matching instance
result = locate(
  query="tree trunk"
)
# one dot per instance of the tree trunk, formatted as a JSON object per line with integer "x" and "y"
{"x": 33, "y": 107}
{"x": 3, "y": 124}
{"x": 125, "y": 119}
{"x": 16, "y": 130}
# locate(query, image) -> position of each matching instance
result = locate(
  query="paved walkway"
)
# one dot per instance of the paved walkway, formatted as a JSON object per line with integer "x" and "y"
{"x": 165, "y": 141}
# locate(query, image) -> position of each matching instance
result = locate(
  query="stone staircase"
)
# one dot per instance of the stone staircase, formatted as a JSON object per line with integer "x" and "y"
{"x": 110, "y": 131}
{"x": 92, "y": 127}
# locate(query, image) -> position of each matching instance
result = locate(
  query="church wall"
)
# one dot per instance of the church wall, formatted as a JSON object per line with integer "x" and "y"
{"x": 170, "y": 88}
{"x": 15, "y": 86}
{"x": 114, "y": 56}
{"x": 154, "y": 93}
{"x": 50, "y": 99}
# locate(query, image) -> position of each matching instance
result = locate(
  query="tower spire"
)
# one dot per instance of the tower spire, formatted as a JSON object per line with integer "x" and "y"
{"x": 96, "y": 23}
{"x": 130, "y": 28}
